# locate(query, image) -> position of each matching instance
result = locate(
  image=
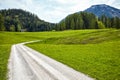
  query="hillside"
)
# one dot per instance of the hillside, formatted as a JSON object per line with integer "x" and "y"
{"x": 96, "y": 17}
{"x": 20, "y": 20}
{"x": 104, "y": 9}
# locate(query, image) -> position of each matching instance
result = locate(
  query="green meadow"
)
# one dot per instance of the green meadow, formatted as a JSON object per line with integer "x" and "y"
{"x": 7, "y": 39}
{"x": 93, "y": 52}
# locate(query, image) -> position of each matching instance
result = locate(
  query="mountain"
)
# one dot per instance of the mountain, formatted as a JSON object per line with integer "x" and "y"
{"x": 104, "y": 9}
{"x": 96, "y": 17}
{"x": 20, "y": 20}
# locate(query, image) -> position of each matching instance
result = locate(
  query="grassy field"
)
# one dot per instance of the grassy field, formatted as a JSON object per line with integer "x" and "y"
{"x": 93, "y": 52}
{"x": 9, "y": 38}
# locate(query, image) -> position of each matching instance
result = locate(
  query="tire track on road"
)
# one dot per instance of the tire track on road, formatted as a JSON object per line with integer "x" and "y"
{"x": 28, "y": 64}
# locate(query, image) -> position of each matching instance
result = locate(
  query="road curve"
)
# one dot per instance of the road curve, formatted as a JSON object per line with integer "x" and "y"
{"x": 28, "y": 64}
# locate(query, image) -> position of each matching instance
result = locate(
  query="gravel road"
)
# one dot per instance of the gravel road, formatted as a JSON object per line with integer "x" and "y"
{"x": 28, "y": 64}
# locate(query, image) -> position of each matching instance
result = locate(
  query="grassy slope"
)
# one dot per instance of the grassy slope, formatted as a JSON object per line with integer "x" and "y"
{"x": 9, "y": 38}
{"x": 95, "y": 53}
{"x": 77, "y": 49}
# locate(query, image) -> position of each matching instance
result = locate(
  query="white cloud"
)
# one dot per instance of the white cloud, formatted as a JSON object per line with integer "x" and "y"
{"x": 110, "y": 2}
{"x": 54, "y": 10}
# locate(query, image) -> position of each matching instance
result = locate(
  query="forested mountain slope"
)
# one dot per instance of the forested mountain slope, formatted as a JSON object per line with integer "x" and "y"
{"x": 20, "y": 20}
{"x": 95, "y": 17}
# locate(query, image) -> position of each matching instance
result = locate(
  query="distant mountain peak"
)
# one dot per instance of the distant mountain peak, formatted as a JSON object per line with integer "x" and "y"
{"x": 100, "y": 5}
{"x": 103, "y": 9}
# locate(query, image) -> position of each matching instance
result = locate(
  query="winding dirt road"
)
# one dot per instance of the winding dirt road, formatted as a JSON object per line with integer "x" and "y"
{"x": 28, "y": 64}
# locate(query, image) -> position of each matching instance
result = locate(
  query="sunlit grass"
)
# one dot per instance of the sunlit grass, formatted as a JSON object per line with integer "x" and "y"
{"x": 93, "y": 52}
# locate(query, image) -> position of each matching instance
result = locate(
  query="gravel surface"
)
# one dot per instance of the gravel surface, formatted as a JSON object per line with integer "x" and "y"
{"x": 28, "y": 64}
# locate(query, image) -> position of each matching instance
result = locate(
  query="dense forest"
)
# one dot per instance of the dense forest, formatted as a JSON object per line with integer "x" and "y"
{"x": 85, "y": 20}
{"x": 19, "y": 20}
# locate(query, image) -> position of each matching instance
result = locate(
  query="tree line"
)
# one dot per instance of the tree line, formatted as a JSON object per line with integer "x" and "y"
{"x": 19, "y": 20}
{"x": 85, "y": 20}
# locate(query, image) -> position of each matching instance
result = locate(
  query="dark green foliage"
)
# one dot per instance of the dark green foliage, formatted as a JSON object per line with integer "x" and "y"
{"x": 85, "y": 20}
{"x": 81, "y": 20}
{"x": 116, "y": 22}
{"x": 12, "y": 28}
{"x": 2, "y": 28}
{"x": 110, "y": 22}
{"x": 24, "y": 20}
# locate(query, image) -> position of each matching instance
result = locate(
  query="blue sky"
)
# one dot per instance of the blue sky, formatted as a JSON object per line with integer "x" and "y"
{"x": 54, "y": 10}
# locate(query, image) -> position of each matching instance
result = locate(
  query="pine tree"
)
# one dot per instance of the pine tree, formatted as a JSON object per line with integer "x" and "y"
{"x": 101, "y": 25}
{"x": 72, "y": 25}
{"x": 2, "y": 28}
{"x": 79, "y": 22}
{"x": 12, "y": 28}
